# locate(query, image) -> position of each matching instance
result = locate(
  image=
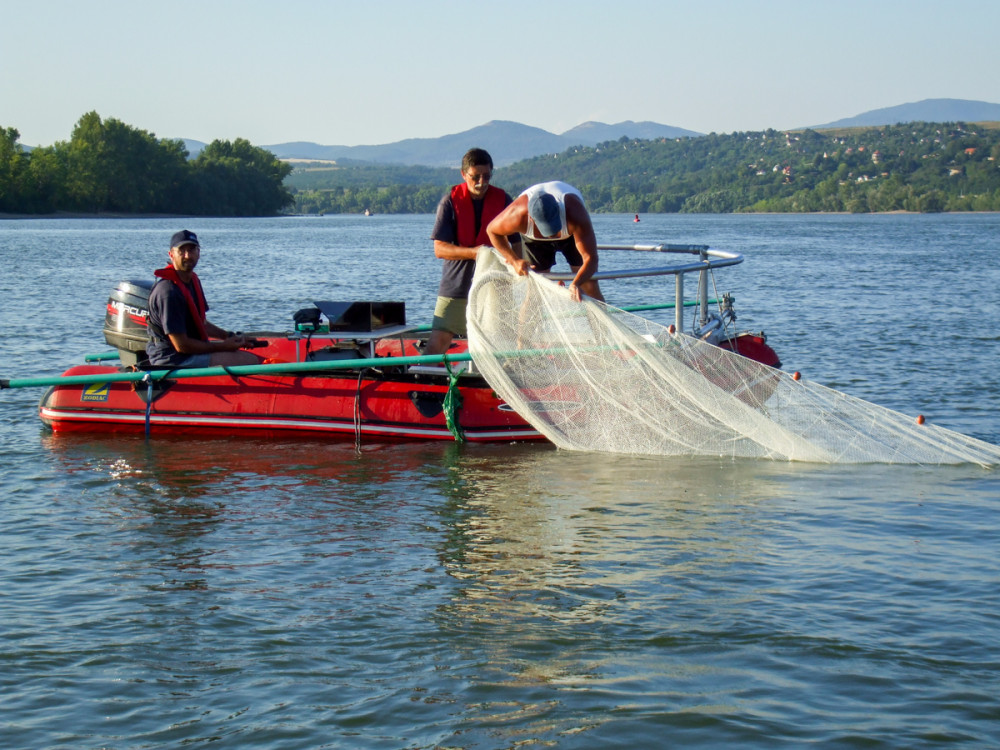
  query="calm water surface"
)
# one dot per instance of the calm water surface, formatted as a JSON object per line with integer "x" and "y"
{"x": 302, "y": 594}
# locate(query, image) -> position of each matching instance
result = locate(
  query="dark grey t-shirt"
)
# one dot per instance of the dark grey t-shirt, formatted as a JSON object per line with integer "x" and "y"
{"x": 456, "y": 275}
{"x": 168, "y": 313}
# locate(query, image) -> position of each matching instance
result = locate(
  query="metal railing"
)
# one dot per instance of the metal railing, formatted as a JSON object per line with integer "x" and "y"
{"x": 708, "y": 260}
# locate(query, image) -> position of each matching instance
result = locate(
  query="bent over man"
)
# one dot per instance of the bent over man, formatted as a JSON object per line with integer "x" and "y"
{"x": 550, "y": 217}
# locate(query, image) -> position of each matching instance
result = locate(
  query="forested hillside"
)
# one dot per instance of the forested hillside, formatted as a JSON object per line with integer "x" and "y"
{"x": 108, "y": 166}
{"x": 922, "y": 167}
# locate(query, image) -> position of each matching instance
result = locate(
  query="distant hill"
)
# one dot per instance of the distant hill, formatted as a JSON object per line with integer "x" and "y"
{"x": 511, "y": 142}
{"x": 507, "y": 142}
{"x": 916, "y": 166}
{"x": 927, "y": 110}
{"x": 592, "y": 133}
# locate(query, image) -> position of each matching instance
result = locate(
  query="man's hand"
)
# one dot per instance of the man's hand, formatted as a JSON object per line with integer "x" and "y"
{"x": 521, "y": 266}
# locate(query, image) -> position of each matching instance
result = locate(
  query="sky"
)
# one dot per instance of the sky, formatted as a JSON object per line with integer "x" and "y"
{"x": 372, "y": 72}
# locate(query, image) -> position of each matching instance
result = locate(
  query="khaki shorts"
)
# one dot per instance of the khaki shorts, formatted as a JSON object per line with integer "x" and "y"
{"x": 449, "y": 315}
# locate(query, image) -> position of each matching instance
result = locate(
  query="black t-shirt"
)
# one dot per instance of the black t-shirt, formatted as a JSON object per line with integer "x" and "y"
{"x": 168, "y": 313}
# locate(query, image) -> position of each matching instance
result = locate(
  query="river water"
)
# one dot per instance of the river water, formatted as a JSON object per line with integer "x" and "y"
{"x": 246, "y": 593}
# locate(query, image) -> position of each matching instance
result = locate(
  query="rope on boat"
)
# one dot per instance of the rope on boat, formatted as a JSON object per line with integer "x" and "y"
{"x": 357, "y": 411}
{"x": 452, "y": 404}
{"x": 148, "y": 380}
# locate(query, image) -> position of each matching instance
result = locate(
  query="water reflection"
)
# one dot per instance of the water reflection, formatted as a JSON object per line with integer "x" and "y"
{"x": 569, "y": 564}
{"x": 525, "y": 532}
{"x": 562, "y": 539}
{"x": 509, "y": 590}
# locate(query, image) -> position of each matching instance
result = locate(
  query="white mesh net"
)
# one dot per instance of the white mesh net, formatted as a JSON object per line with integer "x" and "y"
{"x": 592, "y": 377}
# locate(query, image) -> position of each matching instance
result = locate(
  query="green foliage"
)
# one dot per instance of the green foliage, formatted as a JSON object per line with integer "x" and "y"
{"x": 353, "y": 188}
{"x": 237, "y": 179}
{"x": 923, "y": 167}
{"x": 110, "y": 167}
{"x": 13, "y": 165}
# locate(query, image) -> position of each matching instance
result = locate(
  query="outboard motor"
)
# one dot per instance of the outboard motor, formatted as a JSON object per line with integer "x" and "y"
{"x": 125, "y": 321}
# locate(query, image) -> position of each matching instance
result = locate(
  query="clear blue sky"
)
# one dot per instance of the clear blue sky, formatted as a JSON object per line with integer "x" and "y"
{"x": 370, "y": 72}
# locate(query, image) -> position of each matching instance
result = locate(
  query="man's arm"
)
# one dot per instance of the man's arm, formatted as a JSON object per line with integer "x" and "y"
{"x": 449, "y": 251}
{"x": 187, "y": 345}
{"x": 225, "y": 343}
{"x": 168, "y": 308}
{"x": 509, "y": 221}
{"x": 445, "y": 233}
{"x": 580, "y": 226}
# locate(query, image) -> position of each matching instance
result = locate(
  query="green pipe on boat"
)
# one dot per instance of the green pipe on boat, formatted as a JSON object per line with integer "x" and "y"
{"x": 235, "y": 370}
{"x": 101, "y": 357}
{"x": 276, "y": 368}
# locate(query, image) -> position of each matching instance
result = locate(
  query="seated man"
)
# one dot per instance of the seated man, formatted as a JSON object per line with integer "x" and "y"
{"x": 550, "y": 217}
{"x": 179, "y": 333}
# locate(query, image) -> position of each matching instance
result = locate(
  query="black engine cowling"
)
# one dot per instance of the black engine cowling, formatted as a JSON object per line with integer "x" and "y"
{"x": 125, "y": 320}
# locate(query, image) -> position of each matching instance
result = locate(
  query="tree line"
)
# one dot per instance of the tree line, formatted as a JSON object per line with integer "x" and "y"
{"x": 922, "y": 167}
{"x": 108, "y": 166}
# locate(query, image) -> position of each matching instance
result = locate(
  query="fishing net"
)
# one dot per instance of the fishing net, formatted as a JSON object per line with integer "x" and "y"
{"x": 595, "y": 378}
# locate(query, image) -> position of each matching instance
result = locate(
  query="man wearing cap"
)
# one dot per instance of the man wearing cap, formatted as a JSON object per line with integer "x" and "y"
{"x": 179, "y": 333}
{"x": 550, "y": 217}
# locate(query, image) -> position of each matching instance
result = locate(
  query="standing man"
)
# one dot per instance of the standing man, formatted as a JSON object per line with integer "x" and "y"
{"x": 179, "y": 333}
{"x": 550, "y": 217}
{"x": 459, "y": 231}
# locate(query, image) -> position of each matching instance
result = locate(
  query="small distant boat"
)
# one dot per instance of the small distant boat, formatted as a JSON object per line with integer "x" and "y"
{"x": 369, "y": 212}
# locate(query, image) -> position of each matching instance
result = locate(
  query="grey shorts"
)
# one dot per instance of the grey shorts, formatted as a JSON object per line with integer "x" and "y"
{"x": 197, "y": 360}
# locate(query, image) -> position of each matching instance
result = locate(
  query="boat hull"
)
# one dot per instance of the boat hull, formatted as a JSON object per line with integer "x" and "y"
{"x": 391, "y": 403}
{"x": 400, "y": 407}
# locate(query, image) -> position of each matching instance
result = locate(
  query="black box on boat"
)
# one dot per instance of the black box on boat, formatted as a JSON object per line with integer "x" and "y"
{"x": 125, "y": 318}
{"x": 363, "y": 316}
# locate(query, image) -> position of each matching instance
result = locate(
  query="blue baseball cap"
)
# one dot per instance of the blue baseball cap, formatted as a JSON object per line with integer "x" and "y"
{"x": 184, "y": 237}
{"x": 543, "y": 208}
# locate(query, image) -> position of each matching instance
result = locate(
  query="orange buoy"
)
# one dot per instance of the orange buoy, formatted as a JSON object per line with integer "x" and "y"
{"x": 796, "y": 375}
{"x": 671, "y": 329}
{"x": 920, "y": 419}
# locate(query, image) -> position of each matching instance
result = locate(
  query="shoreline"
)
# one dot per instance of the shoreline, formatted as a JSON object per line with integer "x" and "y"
{"x": 74, "y": 215}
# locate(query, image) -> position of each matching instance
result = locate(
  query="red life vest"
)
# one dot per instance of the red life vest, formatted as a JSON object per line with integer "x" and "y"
{"x": 465, "y": 214}
{"x": 197, "y": 304}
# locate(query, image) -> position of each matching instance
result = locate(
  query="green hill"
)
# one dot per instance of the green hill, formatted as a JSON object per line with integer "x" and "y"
{"x": 911, "y": 167}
